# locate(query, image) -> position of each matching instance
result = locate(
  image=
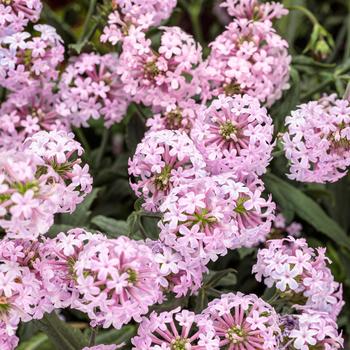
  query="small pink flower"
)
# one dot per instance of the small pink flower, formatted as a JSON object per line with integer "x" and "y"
{"x": 175, "y": 330}
{"x": 317, "y": 142}
{"x": 163, "y": 160}
{"x": 244, "y": 322}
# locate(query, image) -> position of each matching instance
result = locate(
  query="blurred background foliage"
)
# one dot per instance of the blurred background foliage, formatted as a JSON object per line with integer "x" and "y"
{"x": 321, "y": 64}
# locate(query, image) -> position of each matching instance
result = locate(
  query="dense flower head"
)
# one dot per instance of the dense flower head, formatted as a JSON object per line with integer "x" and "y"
{"x": 317, "y": 142}
{"x": 57, "y": 257}
{"x": 175, "y": 330}
{"x": 235, "y": 134}
{"x": 244, "y": 322}
{"x": 91, "y": 88}
{"x": 180, "y": 272}
{"x": 28, "y": 111}
{"x": 117, "y": 280}
{"x": 301, "y": 275}
{"x": 182, "y": 116}
{"x": 62, "y": 153}
{"x": 254, "y": 10}
{"x": 7, "y": 342}
{"x": 248, "y": 57}
{"x": 15, "y": 15}
{"x": 44, "y": 177}
{"x": 160, "y": 77}
{"x": 315, "y": 330}
{"x": 26, "y": 58}
{"x": 128, "y": 15}
{"x": 164, "y": 159}
{"x": 20, "y": 295}
{"x": 210, "y": 215}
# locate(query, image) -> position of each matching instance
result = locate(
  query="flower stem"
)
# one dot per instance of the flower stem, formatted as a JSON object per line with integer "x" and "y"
{"x": 305, "y": 11}
{"x": 81, "y": 137}
{"x": 101, "y": 151}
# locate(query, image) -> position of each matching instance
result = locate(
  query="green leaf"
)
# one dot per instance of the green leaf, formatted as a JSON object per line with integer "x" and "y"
{"x": 201, "y": 300}
{"x": 115, "y": 336}
{"x": 214, "y": 277}
{"x": 57, "y": 228}
{"x": 290, "y": 100}
{"x": 63, "y": 336}
{"x": 81, "y": 215}
{"x": 135, "y": 131}
{"x": 112, "y": 227}
{"x": 309, "y": 61}
{"x": 37, "y": 342}
{"x": 305, "y": 208}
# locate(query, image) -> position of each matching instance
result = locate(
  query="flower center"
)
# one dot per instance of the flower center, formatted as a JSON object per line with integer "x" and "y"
{"x": 162, "y": 180}
{"x": 256, "y": 13}
{"x": 203, "y": 218}
{"x": 151, "y": 70}
{"x": 22, "y": 188}
{"x": 342, "y": 143}
{"x": 227, "y": 129}
{"x": 6, "y": 2}
{"x": 179, "y": 344}
{"x": 240, "y": 209}
{"x": 132, "y": 276}
{"x": 38, "y": 113}
{"x": 27, "y": 57}
{"x": 236, "y": 335}
{"x": 174, "y": 119}
{"x": 232, "y": 89}
{"x": 61, "y": 169}
{"x": 5, "y": 307}
{"x": 71, "y": 264}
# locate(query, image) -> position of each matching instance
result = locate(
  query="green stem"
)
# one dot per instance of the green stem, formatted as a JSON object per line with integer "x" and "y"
{"x": 305, "y": 11}
{"x": 87, "y": 33}
{"x": 91, "y": 11}
{"x": 194, "y": 10}
{"x": 328, "y": 81}
{"x": 197, "y": 29}
{"x": 81, "y": 137}
{"x": 102, "y": 148}
{"x": 140, "y": 112}
{"x": 142, "y": 229}
{"x": 92, "y": 340}
{"x": 60, "y": 333}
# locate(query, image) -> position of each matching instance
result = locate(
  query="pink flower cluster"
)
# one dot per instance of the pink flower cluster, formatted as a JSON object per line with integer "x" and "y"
{"x": 182, "y": 116}
{"x": 25, "y": 59}
{"x": 40, "y": 179}
{"x": 207, "y": 216}
{"x": 90, "y": 87}
{"x": 15, "y": 15}
{"x": 303, "y": 280}
{"x": 253, "y": 10}
{"x": 112, "y": 280}
{"x": 163, "y": 160}
{"x": 315, "y": 329}
{"x": 317, "y": 142}
{"x": 128, "y": 16}
{"x": 28, "y": 111}
{"x": 249, "y": 57}
{"x": 162, "y": 77}
{"x": 180, "y": 273}
{"x": 235, "y": 322}
{"x": 301, "y": 272}
{"x": 120, "y": 277}
{"x": 235, "y": 134}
